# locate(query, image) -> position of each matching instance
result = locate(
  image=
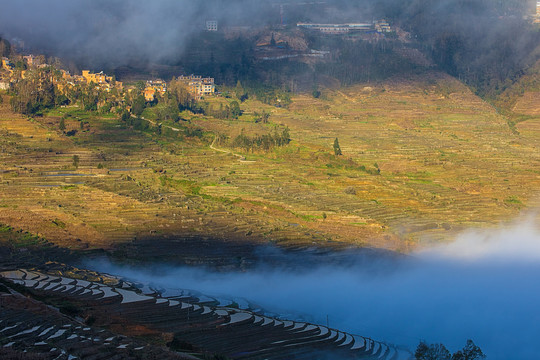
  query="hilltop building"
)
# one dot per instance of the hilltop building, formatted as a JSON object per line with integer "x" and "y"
{"x": 198, "y": 86}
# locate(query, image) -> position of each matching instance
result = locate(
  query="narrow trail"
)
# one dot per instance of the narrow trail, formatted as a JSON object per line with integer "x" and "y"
{"x": 348, "y": 98}
{"x": 156, "y": 124}
{"x": 241, "y": 158}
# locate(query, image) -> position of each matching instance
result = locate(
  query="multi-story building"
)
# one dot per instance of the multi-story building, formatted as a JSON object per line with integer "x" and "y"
{"x": 336, "y": 28}
{"x": 382, "y": 26}
{"x": 198, "y": 86}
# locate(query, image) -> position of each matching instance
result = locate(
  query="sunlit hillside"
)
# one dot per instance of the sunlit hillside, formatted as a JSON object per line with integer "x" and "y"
{"x": 423, "y": 159}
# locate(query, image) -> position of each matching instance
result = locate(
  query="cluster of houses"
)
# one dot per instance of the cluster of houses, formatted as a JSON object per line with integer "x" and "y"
{"x": 9, "y": 72}
{"x": 99, "y": 80}
{"x": 9, "y": 75}
{"x": 198, "y": 86}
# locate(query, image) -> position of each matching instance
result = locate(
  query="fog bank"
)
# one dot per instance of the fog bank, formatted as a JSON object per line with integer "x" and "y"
{"x": 481, "y": 287}
{"x": 118, "y": 32}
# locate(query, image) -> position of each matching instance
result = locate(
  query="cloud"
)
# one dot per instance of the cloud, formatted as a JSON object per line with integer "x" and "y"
{"x": 517, "y": 243}
{"x": 103, "y": 30}
{"x": 109, "y": 33}
{"x": 482, "y": 287}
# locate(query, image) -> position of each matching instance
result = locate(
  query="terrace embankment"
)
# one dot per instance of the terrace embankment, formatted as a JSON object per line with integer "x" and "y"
{"x": 122, "y": 315}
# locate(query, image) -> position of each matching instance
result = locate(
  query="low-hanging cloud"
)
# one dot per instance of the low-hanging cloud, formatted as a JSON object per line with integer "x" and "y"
{"x": 482, "y": 287}
{"x": 114, "y": 31}
{"x": 520, "y": 242}
{"x": 119, "y": 32}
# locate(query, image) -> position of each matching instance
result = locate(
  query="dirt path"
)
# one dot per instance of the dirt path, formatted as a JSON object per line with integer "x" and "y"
{"x": 156, "y": 124}
{"x": 348, "y": 98}
{"x": 241, "y": 158}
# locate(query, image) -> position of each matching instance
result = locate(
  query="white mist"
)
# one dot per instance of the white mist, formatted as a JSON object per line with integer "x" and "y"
{"x": 482, "y": 287}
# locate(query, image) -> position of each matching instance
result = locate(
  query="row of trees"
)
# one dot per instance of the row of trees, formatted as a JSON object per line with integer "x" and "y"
{"x": 231, "y": 111}
{"x": 40, "y": 90}
{"x": 36, "y": 93}
{"x": 426, "y": 351}
{"x": 265, "y": 142}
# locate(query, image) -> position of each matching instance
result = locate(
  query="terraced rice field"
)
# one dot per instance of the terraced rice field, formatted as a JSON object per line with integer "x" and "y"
{"x": 448, "y": 161}
{"x": 423, "y": 159}
{"x": 201, "y": 321}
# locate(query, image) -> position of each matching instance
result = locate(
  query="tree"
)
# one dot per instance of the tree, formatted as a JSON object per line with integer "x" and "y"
{"x": 469, "y": 352}
{"x": 76, "y": 161}
{"x": 426, "y": 351}
{"x": 139, "y": 87}
{"x": 239, "y": 90}
{"x": 138, "y": 105}
{"x": 62, "y": 125}
{"x": 178, "y": 92}
{"x": 34, "y": 93}
{"x": 168, "y": 112}
{"x": 431, "y": 352}
{"x": 125, "y": 116}
{"x": 235, "y": 109}
{"x": 262, "y": 117}
{"x": 5, "y": 48}
{"x": 89, "y": 97}
{"x": 285, "y": 137}
{"x": 337, "y": 149}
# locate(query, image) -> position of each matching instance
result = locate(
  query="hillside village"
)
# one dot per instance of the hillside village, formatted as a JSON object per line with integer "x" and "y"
{"x": 18, "y": 68}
